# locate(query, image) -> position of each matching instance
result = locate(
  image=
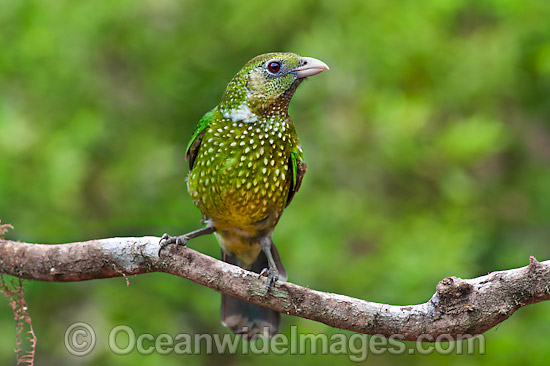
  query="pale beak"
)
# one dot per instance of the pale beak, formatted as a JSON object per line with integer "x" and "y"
{"x": 309, "y": 66}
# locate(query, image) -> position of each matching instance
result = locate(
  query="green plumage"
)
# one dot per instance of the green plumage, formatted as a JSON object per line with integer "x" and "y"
{"x": 246, "y": 164}
{"x": 244, "y": 174}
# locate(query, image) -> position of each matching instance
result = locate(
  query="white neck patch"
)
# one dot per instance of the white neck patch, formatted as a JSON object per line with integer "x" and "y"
{"x": 240, "y": 114}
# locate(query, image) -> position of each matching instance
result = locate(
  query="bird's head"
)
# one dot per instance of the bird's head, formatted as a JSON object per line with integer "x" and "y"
{"x": 265, "y": 85}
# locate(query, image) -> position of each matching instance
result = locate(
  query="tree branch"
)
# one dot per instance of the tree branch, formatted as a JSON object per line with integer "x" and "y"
{"x": 459, "y": 308}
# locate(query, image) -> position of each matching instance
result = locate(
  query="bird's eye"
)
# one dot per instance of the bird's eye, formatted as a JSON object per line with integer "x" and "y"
{"x": 274, "y": 66}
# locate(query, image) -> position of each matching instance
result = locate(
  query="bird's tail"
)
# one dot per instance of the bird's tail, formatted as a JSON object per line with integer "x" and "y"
{"x": 246, "y": 319}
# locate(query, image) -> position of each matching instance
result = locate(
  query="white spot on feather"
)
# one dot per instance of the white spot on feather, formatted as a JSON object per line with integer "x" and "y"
{"x": 241, "y": 113}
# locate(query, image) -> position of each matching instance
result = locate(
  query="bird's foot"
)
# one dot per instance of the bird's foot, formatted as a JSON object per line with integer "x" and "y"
{"x": 182, "y": 240}
{"x": 166, "y": 240}
{"x": 272, "y": 276}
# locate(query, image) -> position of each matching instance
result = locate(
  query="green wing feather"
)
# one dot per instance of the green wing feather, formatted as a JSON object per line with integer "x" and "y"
{"x": 195, "y": 142}
{"x": 298, "y": 167}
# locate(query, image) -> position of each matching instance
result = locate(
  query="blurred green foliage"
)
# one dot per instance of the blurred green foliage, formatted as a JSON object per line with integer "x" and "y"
{"x": 427, "y": 143}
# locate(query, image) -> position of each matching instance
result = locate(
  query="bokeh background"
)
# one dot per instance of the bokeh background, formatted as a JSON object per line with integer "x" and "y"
{"x": 427, "y": 143}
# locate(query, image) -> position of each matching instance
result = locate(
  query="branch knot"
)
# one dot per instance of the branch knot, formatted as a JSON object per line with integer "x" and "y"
{"x": 453, "y": 288}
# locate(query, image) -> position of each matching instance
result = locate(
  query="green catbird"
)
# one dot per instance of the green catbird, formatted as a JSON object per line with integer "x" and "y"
{"x": 245, "y": 165}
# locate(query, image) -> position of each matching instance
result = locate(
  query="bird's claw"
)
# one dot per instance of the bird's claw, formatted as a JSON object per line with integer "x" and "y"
{"x": 272, "y": 276}
{"x": 166, "y": 240}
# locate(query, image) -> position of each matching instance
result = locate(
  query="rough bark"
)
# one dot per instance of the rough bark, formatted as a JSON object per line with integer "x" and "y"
{"x": 460, "y": 308}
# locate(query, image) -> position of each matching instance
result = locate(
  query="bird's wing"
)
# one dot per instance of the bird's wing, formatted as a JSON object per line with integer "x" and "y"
{"x": 298, "y": 167}
{"x": 195, "y": 142}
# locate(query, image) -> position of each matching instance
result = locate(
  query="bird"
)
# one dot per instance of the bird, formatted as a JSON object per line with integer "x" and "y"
{"x": 245, "y": 166}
